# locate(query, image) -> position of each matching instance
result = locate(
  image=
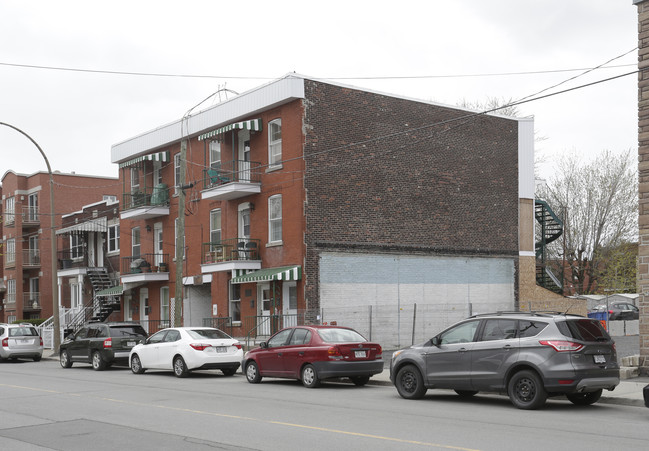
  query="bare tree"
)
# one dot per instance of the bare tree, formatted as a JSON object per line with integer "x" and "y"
{"x": 598, "y": 204}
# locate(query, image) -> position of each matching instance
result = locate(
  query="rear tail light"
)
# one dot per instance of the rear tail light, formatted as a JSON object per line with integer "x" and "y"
{"x": 610, "y": 312}
{"x": 334, "y": 353}
{"x": 108, "y": 343}
{"x": 562, "y": 346}
{"x": 379, "y": 352}
{"x": 200, "y": 346}
{"x": 5, "y": 343}
{"x": 237, "y": 345}
{"x": 41, "y": 340}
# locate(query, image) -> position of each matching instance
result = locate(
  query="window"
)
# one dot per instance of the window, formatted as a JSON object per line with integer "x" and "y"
{"x": 275, "y": 142}
{"x": 462, "y": 333}
{"x": 135, "y": 242}
{"x": 10, "y": 210}
{"x": 10, "y": 256}
{"x": 135, "y": 180}
{"x": 111, "y": 199}
{"x": 182, "y": 241}
{"x": 279, "y": 339}
{"x": 235, "y": 302}
{"x": 76, "y": 246}
{"x": 157, "y": 173}
{"x": 499, "y": 329}
{"x": 164, "y": 304}
{"x": 530, "y": 328}
{"x": 32, "y": 209}
{"x": 300, "y": 337}
{"x": 177, "y": 171}
{"x": 11, "y": 291}
{"x": 113, "y": 238}
{"x": 215, "y": 155}
{"x": 275, "y": 218}
{"x": 215, "y": 226}
{"x": 292, "y": 297}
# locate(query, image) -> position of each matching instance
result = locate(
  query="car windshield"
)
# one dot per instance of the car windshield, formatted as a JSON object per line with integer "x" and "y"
{"x": 22, "y": 332}
{"x": 127, "y": 331}
{"x": 340, "y": 336}
{"x": 583, "y": 329}
{"x": 210, "y": 334}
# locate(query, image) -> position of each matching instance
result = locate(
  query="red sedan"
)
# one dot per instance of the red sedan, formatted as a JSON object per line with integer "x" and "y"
{"x": 314, "y": 353}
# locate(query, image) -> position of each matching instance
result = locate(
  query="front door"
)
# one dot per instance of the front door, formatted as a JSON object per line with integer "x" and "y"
{"x": 128, "y": 313}
{"x": 497, "y": 345}
{"x": 289, "y": 304}
{"x": 144, "y": 308}
{"x": 157, "y": 244}
{"x": 449, "y": 363}
{"x": 244, "y": 156}
{"x": 263, "y": 320}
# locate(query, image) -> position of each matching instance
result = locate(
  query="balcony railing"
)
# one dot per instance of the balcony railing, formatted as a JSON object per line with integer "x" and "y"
{"x": 145, "y": 263}
{"x": 10, "y": 259}
{"x": 232, "y": 171}
{"x": 31, "y": 216}
{"x": 72, "y": 259}
{"x": 31, "y": 301}
{"x": 230, "y": 250}
{"x": 10, "y": 299}
{"x": 31, "y": 257}
{"x": 9, "y": 218}
{"x": 158, "y": 196}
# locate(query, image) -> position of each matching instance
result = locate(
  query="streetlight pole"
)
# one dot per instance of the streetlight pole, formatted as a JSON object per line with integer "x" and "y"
{"x": 56, "y": 333}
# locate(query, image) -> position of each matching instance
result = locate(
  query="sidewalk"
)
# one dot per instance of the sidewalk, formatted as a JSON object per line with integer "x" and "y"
{"x": 628, "y": 393}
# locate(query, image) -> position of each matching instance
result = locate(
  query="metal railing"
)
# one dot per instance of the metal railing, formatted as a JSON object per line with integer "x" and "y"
{"x": 224, "y": 324}
{"x": 232, "y": 171}
{"x": 157, "y": 196}
{"x": 31, "y": 257}
{"x": 266, "y": 325}
{"x": 31, "y": 215}
{"x": 145, "y": 263}
{"x": 229, "y": 250}
{"x": 154, "y": 325}
{"x": 31, "y": 301}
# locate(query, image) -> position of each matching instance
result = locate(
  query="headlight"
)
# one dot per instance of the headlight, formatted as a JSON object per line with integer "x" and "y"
{"x": 396, "y": 353}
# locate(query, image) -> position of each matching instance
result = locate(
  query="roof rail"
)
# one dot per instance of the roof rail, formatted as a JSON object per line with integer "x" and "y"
{"x": 545, "y": 313}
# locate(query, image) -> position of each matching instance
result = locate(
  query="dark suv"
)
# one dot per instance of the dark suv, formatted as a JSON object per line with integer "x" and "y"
{"x": 528, "y": 356}
{"x": 101, "y": 344}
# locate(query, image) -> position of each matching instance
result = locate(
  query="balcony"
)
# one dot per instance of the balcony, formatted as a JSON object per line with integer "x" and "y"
{"x": 145, "y": 268}
{"x": 31, "y": 217}
{"x": 232, "y": 180}
{"x": 72, "y": 260}
{"x": 231, "y": 254}
{"x": 31, "y": 258}
{"x": 146, "y": 203}
{"x": 31, "y": 301}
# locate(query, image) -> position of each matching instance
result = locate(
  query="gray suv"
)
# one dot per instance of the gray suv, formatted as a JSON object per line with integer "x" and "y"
{"x": 528, "y": 356}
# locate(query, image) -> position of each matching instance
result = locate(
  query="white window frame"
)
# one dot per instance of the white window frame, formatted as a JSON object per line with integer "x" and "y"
{"x": 136, "y": 242}
{"x": 164, "y": 304}
{"x": 234, "y": 305}
{"x": 32, "y": 207}
{"x": 274, "y": 143}
{"x": 157, "y": 173}
{"x": 177, "y": 172}
{"x": 215, "y": 226}
{"x": 76, "y": 246}
{"x": 10, "y": 254}
{"x": 135, "y": 180}
{"x": 113, "y": 238}
{"x": 11, "y": 291}
{"x": 215, "y": 154}
{"x": 275, "y": 219}
{"x": 10, "y": 210}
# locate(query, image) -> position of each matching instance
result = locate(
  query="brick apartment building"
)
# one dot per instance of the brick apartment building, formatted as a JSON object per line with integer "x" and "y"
{"x": 307, "y": 200}
{"x": 26, "y": 235}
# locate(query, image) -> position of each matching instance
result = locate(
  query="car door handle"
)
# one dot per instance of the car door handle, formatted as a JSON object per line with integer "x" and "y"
{"x": 279, "y": 354}
{"x": 508, "y": 347}
{"x": 462, "y": 350}
{"x": 301, "y": 353}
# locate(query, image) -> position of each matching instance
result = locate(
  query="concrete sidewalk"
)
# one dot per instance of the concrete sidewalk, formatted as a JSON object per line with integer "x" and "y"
{"x": 628, "y": 393}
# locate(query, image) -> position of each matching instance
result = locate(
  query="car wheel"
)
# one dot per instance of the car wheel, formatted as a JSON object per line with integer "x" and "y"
{"x": 228, "y": 372}
{"x": 180, "y": 367}
{"x": 98, "y": 363}
{"x": 252, "y": 373}
{"x": 526, "y": 390}
{"x": 360, "y": 380}
{"x": 310, "y": 377}
{"x": 37, "y": 358}
{"x": 466, "y": 393}
{"x": 410, "y": 383}
{"x": 584, "y": 399}
{"x": 136, "y": 365}
{"x": 64, "y": 359}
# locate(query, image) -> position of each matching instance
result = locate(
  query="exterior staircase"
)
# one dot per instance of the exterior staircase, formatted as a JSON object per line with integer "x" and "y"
{"x": 551, "y": 230}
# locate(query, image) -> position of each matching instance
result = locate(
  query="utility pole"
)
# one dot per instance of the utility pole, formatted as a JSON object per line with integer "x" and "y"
{"x": 180, "y": 236}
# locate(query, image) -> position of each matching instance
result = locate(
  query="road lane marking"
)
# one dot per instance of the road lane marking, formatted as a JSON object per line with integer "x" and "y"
{"x": 238, "y": 417}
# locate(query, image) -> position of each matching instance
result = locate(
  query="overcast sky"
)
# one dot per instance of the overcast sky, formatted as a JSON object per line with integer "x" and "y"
{"x": 442, "y": 51}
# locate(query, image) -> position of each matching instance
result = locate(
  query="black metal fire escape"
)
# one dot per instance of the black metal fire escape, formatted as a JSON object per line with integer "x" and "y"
{"x": 551, "y": 230}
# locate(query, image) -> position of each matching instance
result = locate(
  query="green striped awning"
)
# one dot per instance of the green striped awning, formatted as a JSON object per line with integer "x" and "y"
{"x": 158, "y": 156}
{"x": 285, "y": 273}
{"x": 112, "y": 291}
{"x": 252, "y": 124}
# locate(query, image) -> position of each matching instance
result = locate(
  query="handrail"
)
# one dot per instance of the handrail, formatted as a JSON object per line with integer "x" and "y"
{"x": 255, "y": 328}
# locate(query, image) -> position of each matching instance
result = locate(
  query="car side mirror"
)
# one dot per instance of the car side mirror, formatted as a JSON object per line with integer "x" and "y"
{"x": 435, "y": 341}
{"x": 263, "y": 345}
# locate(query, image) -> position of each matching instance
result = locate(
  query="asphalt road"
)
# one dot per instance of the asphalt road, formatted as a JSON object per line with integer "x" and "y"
{"x": 43, "y": 406}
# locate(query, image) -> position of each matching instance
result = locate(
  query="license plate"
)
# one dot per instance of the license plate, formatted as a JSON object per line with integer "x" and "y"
{"x": 359, "y": 354}
{"x": 130, "y": 344}
{"x": 221, "y": 349}
{"x": 599, "y": 358}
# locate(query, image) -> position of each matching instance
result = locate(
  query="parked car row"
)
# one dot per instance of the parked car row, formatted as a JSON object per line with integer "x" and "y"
{"x": 527, "y": 356}
{"x": 20, "y": 341}
{"x": 619, "y": 311}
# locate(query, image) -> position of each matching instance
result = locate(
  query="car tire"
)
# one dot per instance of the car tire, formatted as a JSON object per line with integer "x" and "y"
{"x": 37, "y": 358}
{"x": 64, "y": 359}
{"x": 252, "y": 373}
{"x": 180, "y": 367}
{"x": 136, "y": 364}
{"x": 526, "y": 390}
{"x": 410, "y": 383}
{"x": 359, "y": 381}
{"x": 98, "y": 363}
{"x": 466, "y": 393}
{"x": 584, "y": 399}
{"x": 228, "y": 372}
{"x": 310, "y": 376}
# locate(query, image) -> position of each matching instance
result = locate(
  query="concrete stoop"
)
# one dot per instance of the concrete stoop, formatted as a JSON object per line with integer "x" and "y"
{"x": 629, "y": 367}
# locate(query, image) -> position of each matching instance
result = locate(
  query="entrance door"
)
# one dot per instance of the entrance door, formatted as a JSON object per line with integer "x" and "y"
{"x": 244, "y": 156}
{"x": 263, "y": 321}
{"x": 144, "y": 308}
{"x": 289, "y": 304}
{"x": 33, "y": 207}
{"x": 34, "y": 292}
{"x": 34, "y": 257}
{"x": 157, "y": 244}
{"x": 128, "y": 313}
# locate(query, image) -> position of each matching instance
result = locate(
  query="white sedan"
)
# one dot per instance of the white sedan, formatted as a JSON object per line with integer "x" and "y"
{"x": 184, "y": 349}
